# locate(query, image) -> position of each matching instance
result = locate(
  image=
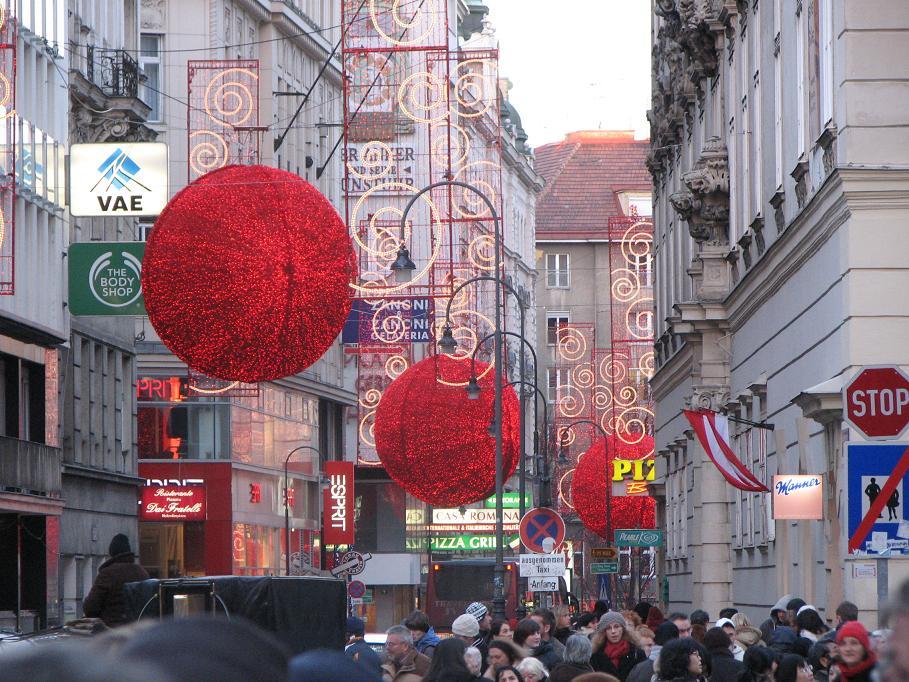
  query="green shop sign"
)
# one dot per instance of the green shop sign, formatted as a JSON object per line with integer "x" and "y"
{"x": 467, "y": 542}
{"x": 105, "y": 278}
{"x": 509, "y": 501}
{"x": 638, "y": 538}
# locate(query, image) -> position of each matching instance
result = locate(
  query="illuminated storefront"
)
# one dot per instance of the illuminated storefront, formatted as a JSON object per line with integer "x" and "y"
{"x": 213, "y": 500}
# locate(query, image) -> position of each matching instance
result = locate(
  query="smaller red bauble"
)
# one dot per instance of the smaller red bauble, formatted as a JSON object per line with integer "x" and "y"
{"x": 433, "y": 440}
{"x": 589, "y": 488}
{"x": 246, "y": 274}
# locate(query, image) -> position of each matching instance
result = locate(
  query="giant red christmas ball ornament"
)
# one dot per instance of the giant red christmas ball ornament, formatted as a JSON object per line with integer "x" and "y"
{"x": 434, "y": 441}
{"x": 246, "y": 274}
{"x": 589, "y": 488}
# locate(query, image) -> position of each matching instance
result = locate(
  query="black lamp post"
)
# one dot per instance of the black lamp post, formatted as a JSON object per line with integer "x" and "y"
{"x": 402, "y": 273}
{"x": 287, "y": 504}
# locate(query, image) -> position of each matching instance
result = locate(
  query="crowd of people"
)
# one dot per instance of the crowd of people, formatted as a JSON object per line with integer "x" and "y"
{"x": 794, "y": 644}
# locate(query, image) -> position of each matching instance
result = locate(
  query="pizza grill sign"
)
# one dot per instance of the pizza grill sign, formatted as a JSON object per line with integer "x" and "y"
{"x": 172, "y": 503}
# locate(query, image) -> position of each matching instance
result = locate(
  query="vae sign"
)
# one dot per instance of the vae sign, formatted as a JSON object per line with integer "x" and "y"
{"x": 172, "y": 503}
{"x": 118, "y": 179}
{"x": 798, "y": 497}
{"x": 877, "y": 402}
{"x": 338, "y": 504}
{"x": 630, "y": 476}
{"x": 105, "y": 278}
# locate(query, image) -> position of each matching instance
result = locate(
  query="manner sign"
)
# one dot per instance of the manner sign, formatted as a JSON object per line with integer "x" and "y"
{"x": 118, "y": 179}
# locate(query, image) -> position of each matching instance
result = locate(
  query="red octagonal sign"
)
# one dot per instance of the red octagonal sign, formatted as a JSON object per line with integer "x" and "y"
{"x": 877, "y": 402}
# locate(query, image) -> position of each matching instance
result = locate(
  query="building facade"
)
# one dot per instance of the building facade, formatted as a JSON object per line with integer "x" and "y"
{"x": 778, "y": 164}
{"x": 33, "y": 324}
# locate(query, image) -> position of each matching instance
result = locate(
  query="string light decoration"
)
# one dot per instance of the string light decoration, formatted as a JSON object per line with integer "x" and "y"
{"x": 7, "y": 153}
{"x": 222, "y": 119}
{"x": 246, "y": 274}
{"x": 592, "y": 479}
{"x": 434, "y": 441}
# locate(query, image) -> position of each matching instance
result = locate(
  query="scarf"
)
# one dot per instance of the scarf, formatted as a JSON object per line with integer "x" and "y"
{"x": 616, "y": 651}
{"x": 862, "y": 667}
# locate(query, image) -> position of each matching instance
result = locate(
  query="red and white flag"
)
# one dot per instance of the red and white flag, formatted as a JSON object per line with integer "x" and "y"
{"x": 712, "y": 430}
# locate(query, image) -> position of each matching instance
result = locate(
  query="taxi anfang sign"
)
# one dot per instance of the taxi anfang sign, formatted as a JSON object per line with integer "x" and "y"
{"x": 172, "y": 503}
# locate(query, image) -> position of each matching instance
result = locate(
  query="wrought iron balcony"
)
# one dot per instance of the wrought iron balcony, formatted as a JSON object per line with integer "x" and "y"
{"x": 115, "y": 72}
{"x": 30, "y": 467}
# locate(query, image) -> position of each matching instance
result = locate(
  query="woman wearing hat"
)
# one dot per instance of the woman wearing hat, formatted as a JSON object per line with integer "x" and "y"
{"x": 615, "y": 648}
{"x": 106, "y": 599}
{"x": 855, "y": 660}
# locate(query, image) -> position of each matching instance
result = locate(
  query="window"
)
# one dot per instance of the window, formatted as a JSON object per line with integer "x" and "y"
{"x": 558, "y": 377}
{"x": 554, "y": 322}
{"x": 150, "y": 63}
{"x": 557, "y": 270}
{"x": 143, "y": 229}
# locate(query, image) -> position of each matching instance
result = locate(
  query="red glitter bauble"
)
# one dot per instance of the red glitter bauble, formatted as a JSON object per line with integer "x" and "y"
{"x": 594, "y": 473}
{"x": 246, "y": 274}
{"x": 433, "y": 440}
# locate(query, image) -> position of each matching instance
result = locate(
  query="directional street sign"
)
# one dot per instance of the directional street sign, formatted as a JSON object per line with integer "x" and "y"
{"x": 604, "y": 553}
{"x": 605, "y": 567}
{"x": 877, "y": 402}
{"x": 542, "y": 530}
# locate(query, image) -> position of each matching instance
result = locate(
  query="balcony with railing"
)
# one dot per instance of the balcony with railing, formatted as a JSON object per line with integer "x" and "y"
{"x": 115, "y": 72}
{"x": 32, "y": 468}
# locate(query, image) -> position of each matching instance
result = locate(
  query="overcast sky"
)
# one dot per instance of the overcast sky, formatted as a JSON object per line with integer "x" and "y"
{"x": 575, "y": 64}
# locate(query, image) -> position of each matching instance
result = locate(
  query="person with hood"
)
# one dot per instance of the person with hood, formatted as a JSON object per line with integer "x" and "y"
{"x": 425, "y": 639}
{"x": 448, "y": 663}
{"x": 106, "y": 599}
{"x": 746, "y": 635}
{"x": 528, "y": 634}
{"x": 615, "y": 649}
{"x": 643, "y": 671}
{"x": 778, "y": 617}
{"x": 681, "y": 661}
{"x": 809, "y": 623}
{"x": 785, "y": 641}
{"x": 855, "y": 660}
{"x": 729, "y": 628}
{"x": 576, "y": 662}
{"x": 358, "y": 650}
{"x": 723, "y": 665}
{"x": 404, "y": 663}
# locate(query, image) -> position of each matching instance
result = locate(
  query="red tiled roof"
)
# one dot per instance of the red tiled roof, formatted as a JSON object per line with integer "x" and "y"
{"x": 583, "y": 175}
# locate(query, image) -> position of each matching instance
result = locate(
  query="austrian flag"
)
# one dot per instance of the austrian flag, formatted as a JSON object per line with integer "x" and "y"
{"x": 712, "y": 430}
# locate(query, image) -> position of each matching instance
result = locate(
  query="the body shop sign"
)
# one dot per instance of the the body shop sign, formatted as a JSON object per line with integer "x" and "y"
{"x": 338, "y": 504}
{"x": 172, "y": 503}
{"x": 798, "y": 497}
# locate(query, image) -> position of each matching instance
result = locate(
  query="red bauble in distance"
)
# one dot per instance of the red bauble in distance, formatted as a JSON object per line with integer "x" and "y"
{"x": 246, "y": 274}
{"x": 434, "y": 441}
{"x": 590, "y": 479}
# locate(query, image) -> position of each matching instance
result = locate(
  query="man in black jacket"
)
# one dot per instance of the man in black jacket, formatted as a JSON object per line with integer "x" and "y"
{"x": 106, "y": 599}
{"x": 358, "y": 649}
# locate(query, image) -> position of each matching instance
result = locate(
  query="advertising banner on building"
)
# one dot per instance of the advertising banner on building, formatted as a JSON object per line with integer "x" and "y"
{"x": 172, "y": 503}
{"x": 798, "y": 497}
{"x": 338, "y": 504}
{"x": 118, "y": 179}
{"x": 105, "y": 278}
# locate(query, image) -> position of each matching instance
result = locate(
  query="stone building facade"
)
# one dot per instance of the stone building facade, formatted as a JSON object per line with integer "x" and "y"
{"x": 779, "y": 163}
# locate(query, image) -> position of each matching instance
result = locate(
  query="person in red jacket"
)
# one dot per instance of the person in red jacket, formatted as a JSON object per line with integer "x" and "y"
{"x": 106, "y": 599}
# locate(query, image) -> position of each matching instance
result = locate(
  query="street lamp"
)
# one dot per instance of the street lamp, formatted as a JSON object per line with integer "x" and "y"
{"x": 287, "y": 504}
{"x": 447, "y": 343}
{"x": 403, "y": 266}
{"x": 498, "y": 599}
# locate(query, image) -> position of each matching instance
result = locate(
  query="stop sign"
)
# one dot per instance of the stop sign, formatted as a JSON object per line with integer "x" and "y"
{"x": 877, "y": 402}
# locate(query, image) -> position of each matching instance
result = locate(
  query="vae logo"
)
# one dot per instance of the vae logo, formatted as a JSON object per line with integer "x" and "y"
{"x": 118, "y": 174}
{"x": 115, "y": 278}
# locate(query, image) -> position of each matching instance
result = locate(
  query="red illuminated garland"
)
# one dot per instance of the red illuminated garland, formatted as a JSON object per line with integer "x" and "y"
{"x": 246, "y": 274}
{"x": 588, "y": 488}
{"x": 433, "y": 440}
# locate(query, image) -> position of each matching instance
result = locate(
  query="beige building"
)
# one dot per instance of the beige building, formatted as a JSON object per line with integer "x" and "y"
{"x": 781, "y": 192}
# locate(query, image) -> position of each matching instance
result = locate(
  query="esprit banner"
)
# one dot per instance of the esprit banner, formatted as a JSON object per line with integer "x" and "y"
{"x": 338, "y": 504}
{"x": 796, "y": 496}
{"x": 172, "y": 503}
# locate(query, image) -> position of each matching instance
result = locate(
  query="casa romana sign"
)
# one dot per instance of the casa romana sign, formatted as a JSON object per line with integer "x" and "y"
{"x": 105, "y": 278}
{"x": 118, "y": 179}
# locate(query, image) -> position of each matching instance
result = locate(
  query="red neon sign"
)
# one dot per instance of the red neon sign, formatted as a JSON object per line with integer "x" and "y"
{"x": 172, "y": 503}
{"x": 163, "y": 389}
{"x": 338, "y": 504}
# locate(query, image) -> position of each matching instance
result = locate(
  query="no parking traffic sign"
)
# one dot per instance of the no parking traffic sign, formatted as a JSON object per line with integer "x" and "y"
{"x": 542, "y": 530}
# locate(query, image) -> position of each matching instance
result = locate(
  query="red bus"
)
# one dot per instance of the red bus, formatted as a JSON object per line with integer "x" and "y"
{"x": 452, "y": 585}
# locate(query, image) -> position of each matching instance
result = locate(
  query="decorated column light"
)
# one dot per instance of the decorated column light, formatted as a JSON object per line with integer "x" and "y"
{"x": 246, "y": 274}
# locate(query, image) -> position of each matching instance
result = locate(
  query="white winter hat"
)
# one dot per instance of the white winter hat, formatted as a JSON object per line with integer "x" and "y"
{"x": 465, "y": 625}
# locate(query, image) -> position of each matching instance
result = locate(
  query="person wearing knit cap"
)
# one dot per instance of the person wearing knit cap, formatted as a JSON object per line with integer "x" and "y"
{"x": 615, "y": 649}
{"x": 479, "y": 611}
{"x": 855, "y": 660}
{"x": 466, "y": 627}
{"x": 106, "y": 599}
